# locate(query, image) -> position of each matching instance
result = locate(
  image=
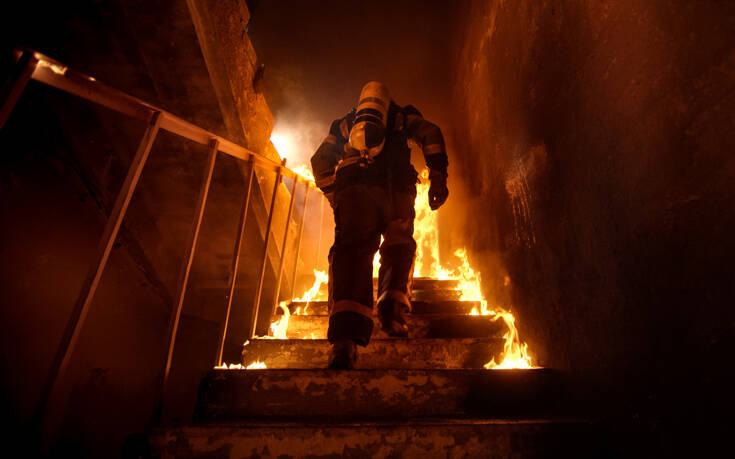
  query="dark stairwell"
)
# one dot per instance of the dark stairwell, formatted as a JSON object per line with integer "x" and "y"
{"x": 591, "y": 179}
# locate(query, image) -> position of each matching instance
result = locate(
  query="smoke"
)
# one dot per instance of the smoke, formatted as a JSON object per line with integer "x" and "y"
{"x": 299, "y": 126}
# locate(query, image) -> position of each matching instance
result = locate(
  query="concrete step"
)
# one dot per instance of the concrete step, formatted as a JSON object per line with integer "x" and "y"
{"x": 497, "y": 438}
{"x": 376, "y": 394}
{"x": 380, "y": 353}
{"x": 419, "y": 326}
{"x": 435, "y": 295}
{"x": 419, "y": 307}
{"x": 424, "y": 295}
{"x": 429, "y": 283}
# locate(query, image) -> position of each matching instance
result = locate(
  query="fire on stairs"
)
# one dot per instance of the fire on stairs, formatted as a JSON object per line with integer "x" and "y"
{"x": 462, "y": 285}
{"x": 427, "y": 395}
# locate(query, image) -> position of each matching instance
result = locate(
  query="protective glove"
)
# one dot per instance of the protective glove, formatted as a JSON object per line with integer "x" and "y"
{"x": 438, "y": 190}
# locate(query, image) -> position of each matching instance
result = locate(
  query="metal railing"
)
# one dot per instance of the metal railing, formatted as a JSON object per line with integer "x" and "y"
{"x": 33, "y": 65}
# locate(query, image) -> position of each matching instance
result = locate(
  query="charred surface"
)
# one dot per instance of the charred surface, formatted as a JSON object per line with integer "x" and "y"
{"x": 419, "y": 326}
{"x": 376, "y": 394}
{"x": 380, "y": 353}
{"x": 417, "y": 307}
{"x": 432, "y": 438}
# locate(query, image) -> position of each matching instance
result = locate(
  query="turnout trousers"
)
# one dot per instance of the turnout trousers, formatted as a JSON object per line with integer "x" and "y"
{"x": 362, "y": 214}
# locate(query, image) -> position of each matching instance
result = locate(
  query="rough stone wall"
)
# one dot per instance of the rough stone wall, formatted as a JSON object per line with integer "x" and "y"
{"x": 597, "y": 142}
{"x": 233, "y": 66}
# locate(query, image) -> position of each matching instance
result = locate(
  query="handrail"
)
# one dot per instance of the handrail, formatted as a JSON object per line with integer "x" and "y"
{"x": 31, "y": 64}
{"x": 55, "y": 74}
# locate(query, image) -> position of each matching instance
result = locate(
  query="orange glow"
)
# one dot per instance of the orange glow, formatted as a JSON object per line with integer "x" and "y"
{"x": 280, "y": 327}
{"x": 304, "y": 172}
{"x": 376, "y": 260}
{"x": 515, "y": 352}
{"x": 284, "y": 144}
{"x": 257, "y": 365}
{"x": 290, "y": 146}
{"x": 426, "y": 235}
{"x": 316, "y": 292}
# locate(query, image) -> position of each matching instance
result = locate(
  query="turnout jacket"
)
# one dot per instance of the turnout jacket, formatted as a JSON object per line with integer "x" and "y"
{"x": 336, "y": 165}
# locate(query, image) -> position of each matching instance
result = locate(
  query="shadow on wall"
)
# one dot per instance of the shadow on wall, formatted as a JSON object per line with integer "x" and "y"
{"x": 598, "y": 146}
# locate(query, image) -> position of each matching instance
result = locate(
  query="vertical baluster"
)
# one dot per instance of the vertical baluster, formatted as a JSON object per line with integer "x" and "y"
{"x": 236, "y": 259}
{"x": 298, "y": 243}
{"x": 91, "y": 282}
{"x": 264, "y": 262}
{"x": 279, "y": 276}
{"x": 186, "y": 269}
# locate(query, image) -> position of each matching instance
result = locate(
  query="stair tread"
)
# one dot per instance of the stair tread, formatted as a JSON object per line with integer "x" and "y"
{"x": 428, "y": 282}
{"x": 432, "y": 315}
{"x": 377, "y": 393}
{"x": 419, "y": 307}
{"x": 419, "y": 326}
{"x": 433, "y": 421}
{"x": 380, "y": 353}
{"x": 295, "y": 372}
{"x": 438, "y": 437}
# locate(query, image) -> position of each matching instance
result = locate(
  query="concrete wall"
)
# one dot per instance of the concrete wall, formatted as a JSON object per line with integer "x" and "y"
{"x": 595, "y": 145}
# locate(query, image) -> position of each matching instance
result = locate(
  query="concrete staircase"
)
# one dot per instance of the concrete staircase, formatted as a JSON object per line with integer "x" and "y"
{"x": 424, "y": 396}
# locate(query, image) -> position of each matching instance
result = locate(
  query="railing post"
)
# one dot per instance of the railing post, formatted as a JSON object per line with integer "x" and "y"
{"x": 185, "y": 270}
{"x": 13, "y": 88}
{"x": 236, "y": 258}
{"x": 298, "y": 242}
{"x": 259, "y": 291}
{"x": 279, "y": 276}
{"x": 91, "y": 282}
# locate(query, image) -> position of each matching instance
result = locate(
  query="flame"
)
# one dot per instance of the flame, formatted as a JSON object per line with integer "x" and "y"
{"x": 376, "y": 260}
{"x": 280, "y": 326}
{"x": 315, "y": 293}
{"x": 289, "y": 144}
{"x": 231, "y": 366}
{"x": 427, "y": 264}
{"x": 426, "y": 235}
{"x": 515, "y": 352}
{"x": 257, "y": 365}
{"x": 304, "y": 172}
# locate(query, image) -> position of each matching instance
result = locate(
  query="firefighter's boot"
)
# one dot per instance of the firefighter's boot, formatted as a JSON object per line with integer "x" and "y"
{"x": 344, "y": 355}
{"x": 392, "y": 316}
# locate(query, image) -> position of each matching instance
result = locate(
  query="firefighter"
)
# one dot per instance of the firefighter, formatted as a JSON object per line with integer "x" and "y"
{"x": 364, "y": 169}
